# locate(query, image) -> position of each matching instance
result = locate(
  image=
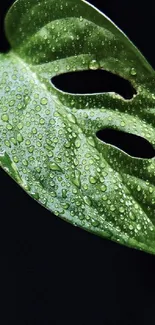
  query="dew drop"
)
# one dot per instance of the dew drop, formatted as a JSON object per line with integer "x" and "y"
{"x": 35, "y": 195}
{"x": 132, "y": 217}
{"x": 92, "y": 180}
{"x": 7, "y": 143}
{"x": 19, "y": 106}
{"x": 95, "y": 223}
{"x": 11, "y": 103}
{"x": 65, "y": 205}
{"x": 38, "y": 108}
{"x": 112, "y": 208}
{"x": 77, "y": 143}
{"x": 15, "y": 159}
{"x": 153, "y": 96}
{"x": 27, "y": 142}
{"x": 25, "y": 162}
{"x": 13, "y": 140}
{"x": 55, "y": 167}
{"x": 121, "y": 209}
{"x": 138, "y": 188}
{"x": 64, "y": 193}
{"x": 9, "y": 126}
{"x": 5, "y": 117}
{"x": 30, "y": 149}
{"x": 91, "y": 141}
{"x": 4, "y": 108}
{"x": 94, "y": 65}
{"x": 133, "y": 72}
{"x": 139, "y": 227}
{"x": 122, "y": 123}
{"x": 20, "y": 126}
{"x": 42, "y": 121}
{"x": 19, "y": 137}
{"x": 87, "y": 200}
{"x": 71, "y": 118}
{"x": 76, "y": 179}
{"x": 34, "y": 130}
{"x": 44, "y": 101}
{"x": 103, "y": 188}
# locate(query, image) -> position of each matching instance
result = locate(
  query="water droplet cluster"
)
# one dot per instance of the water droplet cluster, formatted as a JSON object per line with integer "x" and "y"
{"x": 48, "y": 138}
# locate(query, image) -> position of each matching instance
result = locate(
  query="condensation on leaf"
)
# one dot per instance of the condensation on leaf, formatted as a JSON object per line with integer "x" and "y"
{"x": 48, "y": 137}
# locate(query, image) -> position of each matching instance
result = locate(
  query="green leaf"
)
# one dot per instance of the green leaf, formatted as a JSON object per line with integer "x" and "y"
{"x": 48, "y": 137}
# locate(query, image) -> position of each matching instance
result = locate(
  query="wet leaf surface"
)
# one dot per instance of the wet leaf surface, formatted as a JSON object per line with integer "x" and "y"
{"x": 49, "y": 142}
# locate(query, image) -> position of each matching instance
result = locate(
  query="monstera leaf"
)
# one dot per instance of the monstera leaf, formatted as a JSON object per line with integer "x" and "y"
{"x": 48, "y": 137}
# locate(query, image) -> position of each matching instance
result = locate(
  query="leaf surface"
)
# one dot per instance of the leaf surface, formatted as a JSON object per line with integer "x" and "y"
{"x": 48, "y": 137}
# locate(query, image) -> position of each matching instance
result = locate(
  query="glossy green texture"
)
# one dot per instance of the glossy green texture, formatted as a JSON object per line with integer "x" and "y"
{"x": 48, "y": 137}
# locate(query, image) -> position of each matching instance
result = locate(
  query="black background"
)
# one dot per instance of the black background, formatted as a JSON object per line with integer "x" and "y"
{"x": 54, "y": 273}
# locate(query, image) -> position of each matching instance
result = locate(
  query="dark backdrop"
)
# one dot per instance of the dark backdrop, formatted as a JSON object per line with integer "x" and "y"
{"x": 54, "y": 273}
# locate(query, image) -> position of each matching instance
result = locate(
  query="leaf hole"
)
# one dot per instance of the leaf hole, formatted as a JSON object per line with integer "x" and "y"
{"x": 133, "y": 145}
{"x": 93, "y": 81}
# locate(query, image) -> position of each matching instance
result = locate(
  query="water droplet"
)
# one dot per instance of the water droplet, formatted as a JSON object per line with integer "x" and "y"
{"x": 65, "y": 205}
{"x": 38, "y": 108}
{"x": 92, "y": 180}
{"x": 103, "y": 188}
{"x": 72, "y": 102}
{"x": 71, "y": 118}
{"x": 55, "y": 167}
{"x": 122, "y": 123}
{"x": 34, "y": 130}
{"x": 42, "y": 121}
{"x": 87, "y": 200}
{"x": 76, "y": 179}
{"x": 7, "y": 143}
{"x": 20, "y": 126}
{"x": 30, "y": 149}
{"x": 19, "y": 106}
{"x": 94, "y": 65}
{"x": 11, "y": 103}
{"x": 19, "y": 137}
{"x": 35, "y": 195}
{"x": 38, "y": 170}
{"x": 4, "y": 108}
{"x": 13, "y": 140}
{"x": 52, "y": 184}
{"x": 112, "y": 208}
{"x": 121, "y": 209}
{"x": 56, "y": 69}
{"x": 153, "y": 96}
{"x": 25, "y": 162}
{"x": 44, "y": 101}
{"x": 95, "y": 223}
{"x": 5, "y": 117}
{"x": 15, "y": 159}
{"x": 27, "y": 142}
{"x": 133, "y": 72}
{"x": 132, "y": 217}
{"x": 138, "y": 188}
{"x": 91, "y": 141}
{"x": 64, "y": 193}
{"x": 67, "y": 144}
{"x": 77, "y": 143}
{"x": 9, "y": 126}
{"x": 85, "y": 186}
{"x": 139, "y": 227}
